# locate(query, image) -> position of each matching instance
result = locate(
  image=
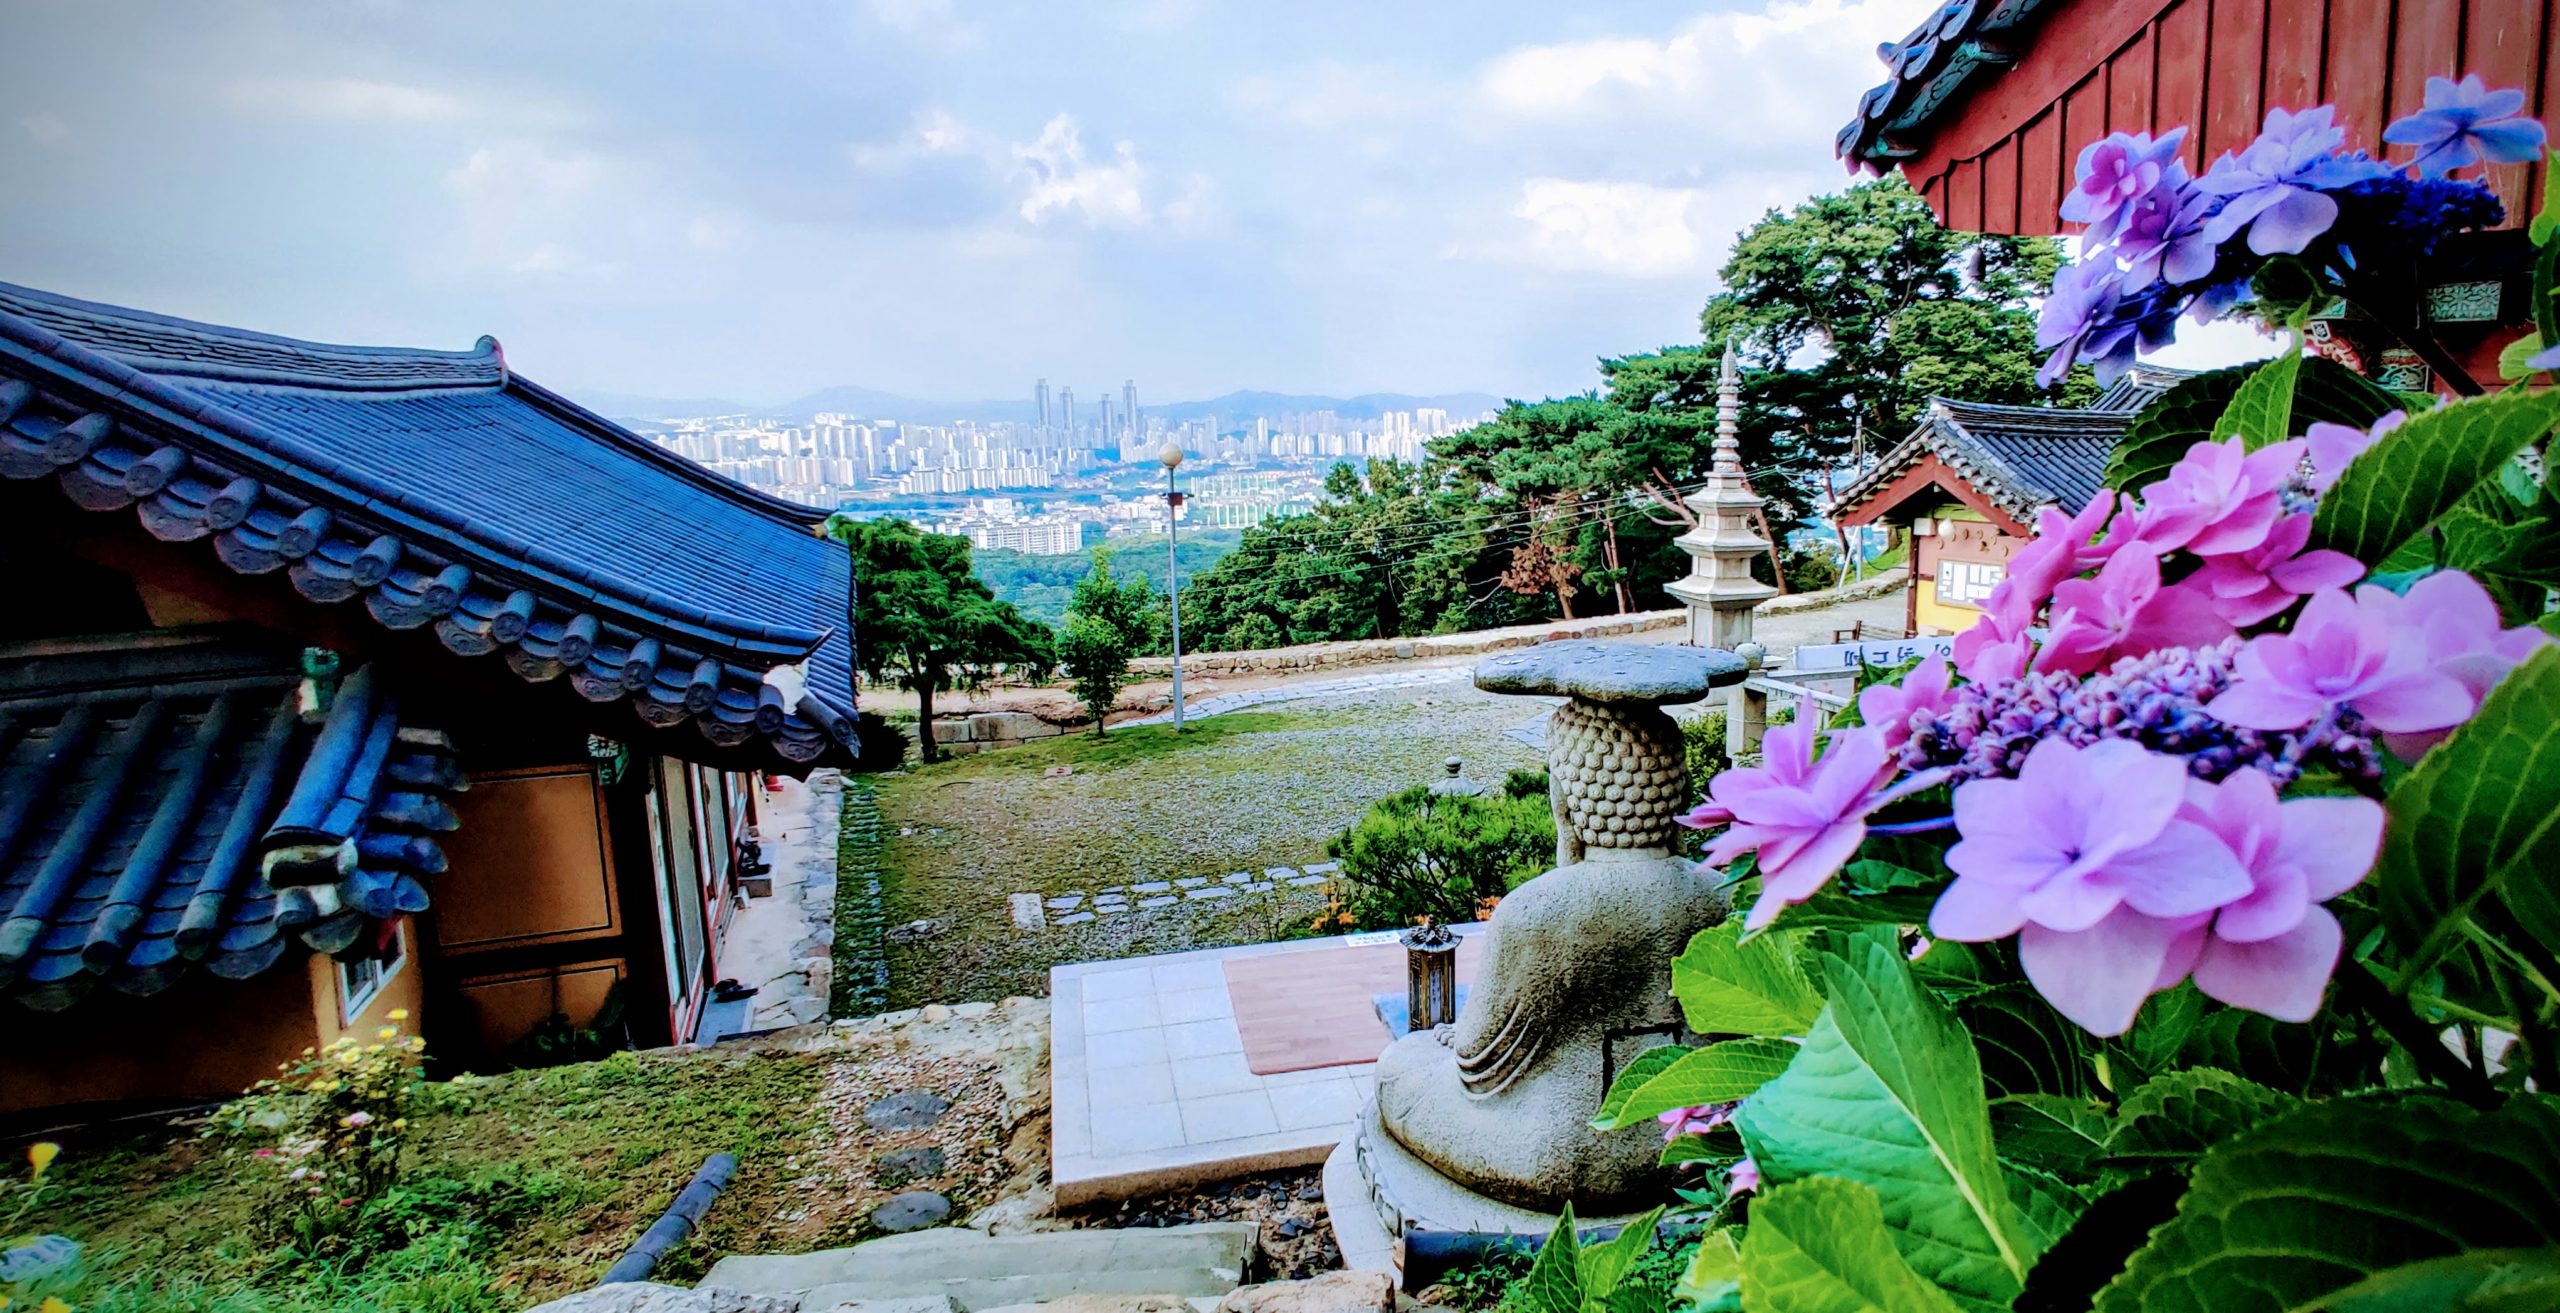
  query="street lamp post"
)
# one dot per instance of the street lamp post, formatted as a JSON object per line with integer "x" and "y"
{"x": 1172, "y": 458}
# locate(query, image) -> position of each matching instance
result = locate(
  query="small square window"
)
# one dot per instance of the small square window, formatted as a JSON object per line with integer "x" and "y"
{"x": 361, "y": 978}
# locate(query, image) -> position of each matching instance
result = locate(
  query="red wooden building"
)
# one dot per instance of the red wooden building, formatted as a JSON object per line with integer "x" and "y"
{"x": 1987, "y": 104}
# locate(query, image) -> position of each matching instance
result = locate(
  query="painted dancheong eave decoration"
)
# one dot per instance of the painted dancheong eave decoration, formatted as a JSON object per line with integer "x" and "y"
{"x": 178, "y": 804}
{"x": 438, "y": 490}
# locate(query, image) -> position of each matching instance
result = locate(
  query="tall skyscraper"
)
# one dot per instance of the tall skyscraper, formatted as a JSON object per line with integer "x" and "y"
{"x": 1041, "y": 391}
{"x": 1067, "y": 409}
{"x": 1102, "y": 420}
{"x": 1129, "y": 405}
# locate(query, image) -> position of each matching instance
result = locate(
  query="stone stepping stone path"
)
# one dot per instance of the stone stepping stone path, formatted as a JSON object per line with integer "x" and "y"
{"x": 913, "y": 1211}
{"x": 1036, "y": 911}
{"x": 899, "y": 1166}
{"x": 906, "y": 1110}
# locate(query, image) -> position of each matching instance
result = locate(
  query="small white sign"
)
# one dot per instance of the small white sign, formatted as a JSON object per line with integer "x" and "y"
{"x": 1885, "y": 652}
{"x": 1371, "y": 938}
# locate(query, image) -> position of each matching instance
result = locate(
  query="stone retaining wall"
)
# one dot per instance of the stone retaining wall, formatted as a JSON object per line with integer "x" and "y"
{"x": 989, "y": 730}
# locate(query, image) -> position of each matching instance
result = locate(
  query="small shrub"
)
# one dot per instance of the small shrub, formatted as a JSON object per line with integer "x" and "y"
{"x": 880, "y": 744}
{"x": 1420, "y": 855}
{"x": 328, "y": 1131}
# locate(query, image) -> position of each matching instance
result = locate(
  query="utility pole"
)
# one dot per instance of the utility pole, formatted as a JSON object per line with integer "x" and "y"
{"x": 1172, "y": 458}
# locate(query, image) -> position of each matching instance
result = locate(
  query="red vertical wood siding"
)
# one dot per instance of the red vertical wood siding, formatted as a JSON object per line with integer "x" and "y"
{"x": 2042, "y": 171}
{"x": 2178, "y": 91}
{"x": 2001, "y": 160}
{"x": 2234, "y": 75}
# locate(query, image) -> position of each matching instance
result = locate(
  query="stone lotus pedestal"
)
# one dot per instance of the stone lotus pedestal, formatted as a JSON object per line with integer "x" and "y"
{"x": 1485, "y": 1125}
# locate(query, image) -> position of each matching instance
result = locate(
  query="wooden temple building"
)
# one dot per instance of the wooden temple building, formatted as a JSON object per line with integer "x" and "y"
{"x": 1966, "y": 484}
{"x": 1986, "y": 105}
{"x": 343, "y": 679}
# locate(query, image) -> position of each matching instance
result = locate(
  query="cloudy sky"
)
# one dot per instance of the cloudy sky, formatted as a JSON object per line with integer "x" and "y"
{"x": 943, "y": 198}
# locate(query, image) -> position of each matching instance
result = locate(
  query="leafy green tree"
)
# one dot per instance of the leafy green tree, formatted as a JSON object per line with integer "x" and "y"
{"x": 1418, "y": 854}
{"x": 1854, "y": 309}
{"x": 924, "y": 621}
{"x": 1107, "y": 623}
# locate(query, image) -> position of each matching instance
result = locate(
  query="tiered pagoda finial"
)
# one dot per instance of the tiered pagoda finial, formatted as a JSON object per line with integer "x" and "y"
{"x": 1719, "y": 590}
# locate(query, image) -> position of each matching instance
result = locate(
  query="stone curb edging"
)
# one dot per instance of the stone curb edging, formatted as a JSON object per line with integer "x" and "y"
{"x": 862, "y": 926}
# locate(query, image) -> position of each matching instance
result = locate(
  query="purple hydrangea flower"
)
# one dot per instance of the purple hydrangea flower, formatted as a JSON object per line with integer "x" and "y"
{"x": 2463, "y": 123}
{"x": 2274, "y": 950}
{"x": 2057, "y": 854}
{"x": 2084, "y": 295}
{"x": 2247, "y": 587}
{"x": 2462, "y": 637}
{"x": 2342, "y": 652}
{"x": 2113, "y": 172}
{"x": 2158, "y": 701}
{"x": 1805, "y": 817}
{"x": 2126, "y": 611}
{"x": 2162, "y": 235}
{"x": 2274, "y": 187}
{"x": 1695, "y": 1121}
{"x": 1889, "y": 709}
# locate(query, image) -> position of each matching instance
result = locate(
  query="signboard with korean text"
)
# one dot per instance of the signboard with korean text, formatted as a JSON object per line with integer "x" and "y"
{"x": 1968, "y": 583}
{"x": 1876, "y": 652}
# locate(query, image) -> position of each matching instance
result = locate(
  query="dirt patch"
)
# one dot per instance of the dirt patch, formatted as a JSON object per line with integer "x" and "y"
{"x": 1288, "y": 1207}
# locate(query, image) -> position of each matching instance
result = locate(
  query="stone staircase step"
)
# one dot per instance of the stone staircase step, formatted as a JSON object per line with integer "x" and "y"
{"x": 1035, "y": 1288}
{"x": 1203, "y": 1258}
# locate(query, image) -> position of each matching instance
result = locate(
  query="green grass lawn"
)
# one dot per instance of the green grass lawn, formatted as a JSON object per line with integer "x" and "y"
{"x": 1235, "y": 792}
{"x": 527, "y": 1193}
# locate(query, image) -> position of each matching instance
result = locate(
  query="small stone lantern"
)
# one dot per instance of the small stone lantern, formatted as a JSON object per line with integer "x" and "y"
{"x": 1430, "y": 976}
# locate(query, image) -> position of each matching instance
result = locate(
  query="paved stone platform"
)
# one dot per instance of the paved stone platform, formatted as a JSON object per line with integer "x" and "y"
{"x": 1150, "y": 1087}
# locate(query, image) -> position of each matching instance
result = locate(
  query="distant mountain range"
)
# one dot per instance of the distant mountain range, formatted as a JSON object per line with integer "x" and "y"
{"x": 1231, "y": 409}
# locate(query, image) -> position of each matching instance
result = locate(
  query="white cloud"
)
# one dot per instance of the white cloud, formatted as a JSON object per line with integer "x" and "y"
{"x": 936, "y": 132}
{"x": 47, "y": 130}
{"x": 1749, "y": 67}
{"x": 532, "y": 209}
{"x": 1630, "y": 228}
{"x": 938, "y": 21}
{"x": 1064, "y": 183}
{"x": 1326, "y": 96}
{"x": 352, "y": 99}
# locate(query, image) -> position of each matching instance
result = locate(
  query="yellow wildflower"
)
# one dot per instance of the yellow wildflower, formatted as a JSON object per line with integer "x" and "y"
{"x": 399, "y": 1014}
{"x": 42, "y": 1153}
{"x": 386, "y": 1032}
{"x": 54, "y": 1304}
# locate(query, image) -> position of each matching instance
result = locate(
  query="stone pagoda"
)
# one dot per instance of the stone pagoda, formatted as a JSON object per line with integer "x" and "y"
{"x": 1719, "y": 590}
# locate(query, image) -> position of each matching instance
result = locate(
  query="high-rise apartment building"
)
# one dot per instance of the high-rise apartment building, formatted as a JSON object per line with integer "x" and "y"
{"x": 1129, "y": 405}
{"x": 1040, "y": 392}
{"x": 1067, "y": 409}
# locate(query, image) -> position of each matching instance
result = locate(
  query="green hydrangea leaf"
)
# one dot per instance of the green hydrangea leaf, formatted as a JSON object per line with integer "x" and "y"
{"x": 2474, "y": 829}
{"x": 1713, "y": 1281}
{"x": 2546, "y": 217}
{"x": 1646, "y": 1066}
{"x": 1604, "y": 1266}
{"x": 2025, "y": 1046}
{"x": 1821, "y": 1246}
{"x": 2064, "y": 1136}
{"x": 1887, "y": 1092}
{"x": 2420, "y": 470}
{"x": 1729, "y": 987}
{"x": 1554, "y": 1283}
{"x": 2323, "y": 1200}
{"x": 1718, "y": 1073}
{"x": 2178, "y": 1115}
{"x": 2261, "y": 410}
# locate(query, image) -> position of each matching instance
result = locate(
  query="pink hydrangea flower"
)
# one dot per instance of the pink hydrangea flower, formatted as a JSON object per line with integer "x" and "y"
{"x": 2247, "y": 587}
{"x": 1888, "y": 708}
{"x": 2333, "y": 445}
{"x": 2085, "y": 857}
{"x": 2126, "y": 611}
{"x": 1695, "y": 1121}
{"x": 2274, "y": 950}
{"x": 1743, "y": 1179}
{"x": 1805, "y": 817}
{"x": 2458, "y": 627}
{"x": 2356, "y": 652}
{"x": 2219, "y": 498}
{"x": 1989, "y": 651}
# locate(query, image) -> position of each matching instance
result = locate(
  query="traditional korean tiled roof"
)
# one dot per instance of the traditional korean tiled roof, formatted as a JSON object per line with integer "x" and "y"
{"x": 2022, "y": 457}
{"x": 443, "y": 491}
{"x": 166, "y": 803}
{"x": 1960, "y": 43}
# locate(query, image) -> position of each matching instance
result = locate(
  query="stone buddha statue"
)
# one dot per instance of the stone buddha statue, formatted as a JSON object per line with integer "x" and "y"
{"x": 1577, "y": 977}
